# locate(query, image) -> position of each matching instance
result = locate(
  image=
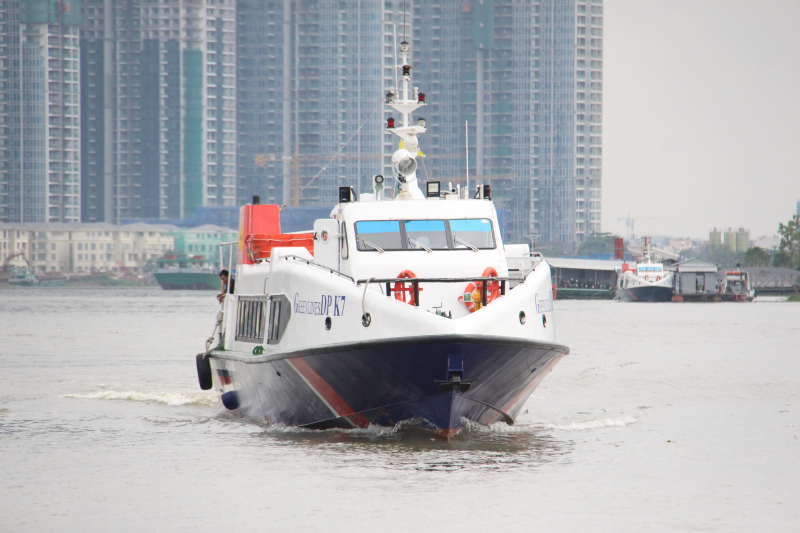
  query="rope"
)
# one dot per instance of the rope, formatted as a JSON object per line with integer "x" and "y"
{"x": 323, "y": 169}
{"x": 427, "y": 178}
{"x": 364, "y": 298}
{"x": 210, "y": 340}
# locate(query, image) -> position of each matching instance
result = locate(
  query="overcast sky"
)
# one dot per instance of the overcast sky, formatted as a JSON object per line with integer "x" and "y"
{"x": 701, "y": 115}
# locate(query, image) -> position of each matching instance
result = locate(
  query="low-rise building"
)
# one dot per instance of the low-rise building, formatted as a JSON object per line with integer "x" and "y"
{"x": 84, "y": 247}
{"x": 695, "y": 279}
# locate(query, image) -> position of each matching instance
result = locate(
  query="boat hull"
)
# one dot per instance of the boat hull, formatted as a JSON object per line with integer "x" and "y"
{"x": 648, "y": 293}
{"x": 187, "y": 280}
{"x": 568, "y": 293}
{"x": 388, "y": 382}
{"x": 737, "y": 298}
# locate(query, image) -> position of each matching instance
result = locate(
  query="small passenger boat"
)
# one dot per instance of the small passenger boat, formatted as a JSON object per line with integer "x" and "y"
{"x": 391, "y": 310}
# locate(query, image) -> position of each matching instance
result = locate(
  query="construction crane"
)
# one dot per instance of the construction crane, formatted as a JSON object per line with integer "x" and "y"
{"x": 629, "y": 224}
{"x": 6, "y": 268}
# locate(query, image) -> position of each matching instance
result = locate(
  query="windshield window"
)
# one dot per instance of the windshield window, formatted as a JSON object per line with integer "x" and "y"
{"x": 477, "y": 232}
{"x": 430, "y": 233}
{"x": 384, "y": 234}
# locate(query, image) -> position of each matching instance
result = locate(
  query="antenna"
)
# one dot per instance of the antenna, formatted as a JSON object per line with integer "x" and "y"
{"x": 466, "y": 131}
{"x": 404, "y": 20}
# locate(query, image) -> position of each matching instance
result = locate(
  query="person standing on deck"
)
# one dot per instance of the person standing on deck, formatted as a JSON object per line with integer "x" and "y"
{"x": 223, "y": 277}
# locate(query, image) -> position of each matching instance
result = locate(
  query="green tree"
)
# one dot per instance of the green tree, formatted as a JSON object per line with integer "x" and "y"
{"x": 723, "y": 256}
{"x": 757, "y": 257}
{"x": 597, "y": 243}
{"x": 790, "y": 240}
{"x": 782, "y": 260}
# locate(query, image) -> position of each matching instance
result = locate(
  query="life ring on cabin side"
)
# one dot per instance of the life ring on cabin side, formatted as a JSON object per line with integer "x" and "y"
{"x": 400, "y": 290}
{"x": 646, "y": 277}
{"x": 658, "y": 278}
{"x": 492, "y": 289}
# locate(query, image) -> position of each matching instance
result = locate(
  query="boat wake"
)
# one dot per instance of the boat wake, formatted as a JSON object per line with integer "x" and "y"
{"x": 502, "y": 427}
{"x": 162, "y": 397}
{"x": 590, "y": 424}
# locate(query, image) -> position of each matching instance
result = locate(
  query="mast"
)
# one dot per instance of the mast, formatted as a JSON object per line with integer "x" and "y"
{"x": 404, "y": 159}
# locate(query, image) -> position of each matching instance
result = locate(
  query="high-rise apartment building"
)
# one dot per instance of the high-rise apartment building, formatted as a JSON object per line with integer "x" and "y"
{"x": 310, "y": 74}
{"x": 160, "y": 97}
{"x": 39, "y": 111}
{"x": 523, "y": 81}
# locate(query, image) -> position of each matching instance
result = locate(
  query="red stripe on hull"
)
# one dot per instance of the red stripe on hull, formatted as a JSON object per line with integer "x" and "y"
{"x": 447, "y": 433}
{"x": 321, "y": 387}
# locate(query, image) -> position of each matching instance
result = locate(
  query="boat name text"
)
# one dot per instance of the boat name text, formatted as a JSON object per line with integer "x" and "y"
{"x": 543, "y": 305}
{"x": 326, "y": 304}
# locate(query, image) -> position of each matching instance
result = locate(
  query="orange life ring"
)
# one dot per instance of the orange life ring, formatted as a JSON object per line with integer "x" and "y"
{"x": 658, "y": 278}
{"x": 646, "y": 277}
{"x": 492, "y": 289}
{"x": 400, "y": 290}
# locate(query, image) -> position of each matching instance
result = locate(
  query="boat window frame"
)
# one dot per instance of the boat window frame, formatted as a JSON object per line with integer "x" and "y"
{"x": 251, "y": 318}
{"x": 448, "y": 235}
{"x": 402, "y": 228}
{"x": 343, "y": 244}
{"x": 466, "y": 248}
{"x": 280, "y": 308}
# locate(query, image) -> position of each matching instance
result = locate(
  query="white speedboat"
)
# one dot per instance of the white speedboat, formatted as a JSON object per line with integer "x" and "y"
{"x": 408, "y": 309}
{"x": 646, "y": 281}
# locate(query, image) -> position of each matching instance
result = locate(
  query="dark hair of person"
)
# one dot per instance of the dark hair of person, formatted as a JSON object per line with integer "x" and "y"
{"x": 223, "y": 273}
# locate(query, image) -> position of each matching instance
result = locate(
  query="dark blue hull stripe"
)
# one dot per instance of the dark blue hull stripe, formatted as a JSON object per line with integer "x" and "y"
{"x": 386, "y": 383}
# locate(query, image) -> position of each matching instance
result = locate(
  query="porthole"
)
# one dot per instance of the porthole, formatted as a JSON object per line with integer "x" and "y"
{"x": 328, "y": 323}
{"x": 522, "y": 318}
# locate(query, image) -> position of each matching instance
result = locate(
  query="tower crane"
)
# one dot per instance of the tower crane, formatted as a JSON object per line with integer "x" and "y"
{"x": 629, "y": 224}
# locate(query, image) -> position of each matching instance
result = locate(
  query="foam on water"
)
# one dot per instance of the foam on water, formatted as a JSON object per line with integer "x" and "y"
{"x": 166, "y": 398}
{"x": 502, "y": 427}
{"x": 590, "y": 424}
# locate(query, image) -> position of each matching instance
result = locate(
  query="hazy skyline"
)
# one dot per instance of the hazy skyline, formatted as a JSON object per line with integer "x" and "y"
{"x": 701, "y": 115}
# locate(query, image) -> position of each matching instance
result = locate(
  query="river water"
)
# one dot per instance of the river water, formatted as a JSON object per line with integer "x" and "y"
{"x": 665, "y": 417}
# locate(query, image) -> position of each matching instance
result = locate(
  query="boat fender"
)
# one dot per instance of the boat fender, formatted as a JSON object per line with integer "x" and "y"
{"x": 204, "y": 371}
{"x": 492, "y": 290}
{"x": 230, "y": 400}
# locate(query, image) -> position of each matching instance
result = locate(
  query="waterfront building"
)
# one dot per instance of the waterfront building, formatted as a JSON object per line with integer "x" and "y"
{"x": 526, "y": 76}
{"x": 308, "y": 75}
{"x": 83, "y": 247}
{"x": 160, "y": 96}
{"x": 204, "y": 241}
{"x": 40, "y": 139}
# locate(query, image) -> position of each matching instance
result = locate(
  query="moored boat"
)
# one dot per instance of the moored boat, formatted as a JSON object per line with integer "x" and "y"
{"x": 645, "y": 281}
{"x": 392, "y": 310}
{"x": 174, "y": 272}
{"x": 736, "y": 287}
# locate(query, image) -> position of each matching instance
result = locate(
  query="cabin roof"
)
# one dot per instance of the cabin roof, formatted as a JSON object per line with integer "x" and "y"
{"x": 583, "y": 264}
{"x": 695, "y": 264}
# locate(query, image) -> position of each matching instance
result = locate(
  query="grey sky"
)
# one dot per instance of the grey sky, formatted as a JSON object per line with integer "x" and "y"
{"x": 701, "y": 115}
